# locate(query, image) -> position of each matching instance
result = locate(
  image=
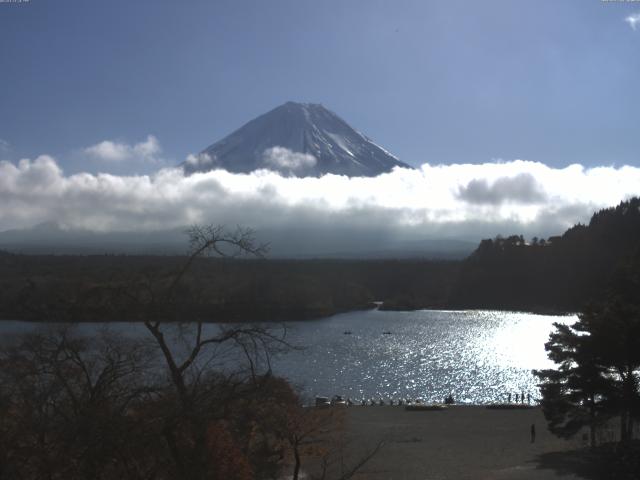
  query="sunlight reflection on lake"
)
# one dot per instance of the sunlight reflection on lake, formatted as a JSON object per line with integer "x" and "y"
{"x": 478, "y": 356}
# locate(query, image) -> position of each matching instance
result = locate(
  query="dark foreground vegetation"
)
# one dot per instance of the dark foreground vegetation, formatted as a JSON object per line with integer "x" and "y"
{"x": 186, "y": 402}
{"x": 559, "y": 274}
{"x": 73, "y": 407}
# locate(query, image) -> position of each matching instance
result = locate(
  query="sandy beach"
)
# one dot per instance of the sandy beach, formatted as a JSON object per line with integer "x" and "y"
{"x": 462, "y": 442}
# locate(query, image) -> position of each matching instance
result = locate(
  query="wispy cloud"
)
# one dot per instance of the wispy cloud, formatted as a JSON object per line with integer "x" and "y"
{"x": 4, "y": 146}
{"x": 109, "y": 151}
{"x": 633, "y": 20}
{"x": 283, "y": 159}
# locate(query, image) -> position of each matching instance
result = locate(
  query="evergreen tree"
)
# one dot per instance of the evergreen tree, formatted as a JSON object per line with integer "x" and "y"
{"x": 575, "y": 394}
{"x": 598, "y": 361}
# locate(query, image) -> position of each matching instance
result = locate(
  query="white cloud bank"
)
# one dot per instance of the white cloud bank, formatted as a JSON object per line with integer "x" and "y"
{"x": 109, "y": 151}
{"x": 435, "y": 200}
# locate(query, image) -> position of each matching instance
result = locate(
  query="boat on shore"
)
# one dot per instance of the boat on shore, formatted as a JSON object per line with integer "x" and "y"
{"x": 424, "y": 407}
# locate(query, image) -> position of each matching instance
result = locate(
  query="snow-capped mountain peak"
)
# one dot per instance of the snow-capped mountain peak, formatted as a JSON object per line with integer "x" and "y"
{"x": 300, "y": 139}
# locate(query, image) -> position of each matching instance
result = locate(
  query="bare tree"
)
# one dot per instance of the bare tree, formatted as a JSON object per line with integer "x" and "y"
{"x": 186, "y": 363}
{"x": 104, "y": 408}
{"x": 67, "y": 406}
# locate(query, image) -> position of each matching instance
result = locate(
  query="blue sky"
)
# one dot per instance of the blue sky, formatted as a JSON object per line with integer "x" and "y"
{"x": 431, "y": 81}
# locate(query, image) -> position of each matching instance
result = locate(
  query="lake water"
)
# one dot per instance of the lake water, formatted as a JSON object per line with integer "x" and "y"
{"x": 478, "y": 356}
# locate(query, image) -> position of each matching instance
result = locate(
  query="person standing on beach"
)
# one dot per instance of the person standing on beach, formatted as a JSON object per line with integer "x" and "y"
{"x": 533, "y": 432}
{"x": 516, "y": 398}
{"x": 509, "y": 398}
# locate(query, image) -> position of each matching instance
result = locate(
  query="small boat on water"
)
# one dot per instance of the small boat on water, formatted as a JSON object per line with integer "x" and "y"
{"x": 347, "y": 332}
{"x": 387, "y": 332}
{"x": 336, "y": 401}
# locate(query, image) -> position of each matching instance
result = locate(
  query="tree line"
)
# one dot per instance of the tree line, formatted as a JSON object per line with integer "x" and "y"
{"x": 558, "y": 274}
{"x": 226, "y": 289}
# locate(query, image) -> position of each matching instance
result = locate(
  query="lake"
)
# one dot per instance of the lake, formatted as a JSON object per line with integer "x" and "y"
{"x": 478, "y": 356}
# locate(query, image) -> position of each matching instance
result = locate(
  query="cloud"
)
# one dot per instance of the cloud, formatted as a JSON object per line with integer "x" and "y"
{"x": 521, "y": 188}
{"x": 4, "y": 146}
{"x": 200, "y": 161}
{"x": 633, "y": 20}
{"x": 109, "y": 151}
{"x": 283, "y": 159}
{"x": 331, "y": 212}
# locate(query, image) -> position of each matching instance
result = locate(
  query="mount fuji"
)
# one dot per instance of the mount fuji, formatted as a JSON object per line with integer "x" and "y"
{"x": 296, "y": 139}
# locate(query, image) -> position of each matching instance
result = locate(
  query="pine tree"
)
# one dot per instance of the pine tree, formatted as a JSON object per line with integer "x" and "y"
{"x": 575, "y": 394}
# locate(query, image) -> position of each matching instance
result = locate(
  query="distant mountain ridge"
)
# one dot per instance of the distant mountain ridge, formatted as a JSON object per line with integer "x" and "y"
{"x": 51, "y": 238}
{"x": 297, "y": 139}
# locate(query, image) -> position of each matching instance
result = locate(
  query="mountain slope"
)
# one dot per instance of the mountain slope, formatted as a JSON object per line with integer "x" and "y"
{"x": 300, "y": 139}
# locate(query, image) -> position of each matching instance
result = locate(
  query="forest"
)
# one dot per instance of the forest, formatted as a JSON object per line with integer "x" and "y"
{"x": 558, "y": 274}
{"x": 554, "y": 275}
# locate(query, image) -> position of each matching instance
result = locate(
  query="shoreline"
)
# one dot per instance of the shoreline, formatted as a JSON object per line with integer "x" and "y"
{"x": 461, "y": 442}
{"x": 308, "y": 317}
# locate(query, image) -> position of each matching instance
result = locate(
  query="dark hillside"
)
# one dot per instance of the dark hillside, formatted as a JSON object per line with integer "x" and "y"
{"x": 81, "y": 288}
{"x": 557, "y": 274}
